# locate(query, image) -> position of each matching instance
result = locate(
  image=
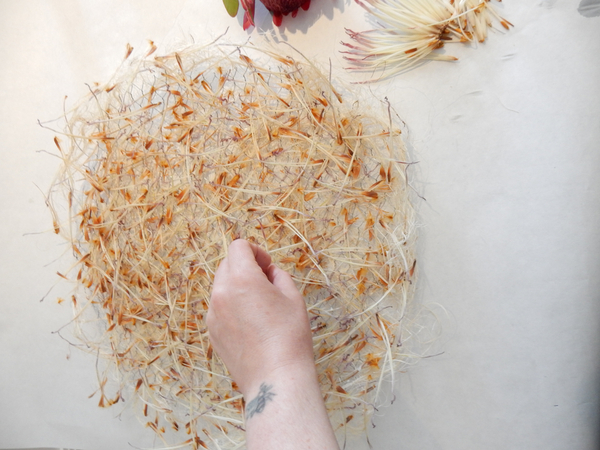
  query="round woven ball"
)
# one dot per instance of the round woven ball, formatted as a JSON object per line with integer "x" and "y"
{"x": 177, "y": 156}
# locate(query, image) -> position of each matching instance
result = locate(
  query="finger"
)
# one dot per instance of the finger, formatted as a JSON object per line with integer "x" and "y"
{"x": 263, "y": 259}
{"x": 243, "y": 254}
{"x": 221, "y": 272}
{"x": 283, "y": 281}
{"x": 240, "y": 254}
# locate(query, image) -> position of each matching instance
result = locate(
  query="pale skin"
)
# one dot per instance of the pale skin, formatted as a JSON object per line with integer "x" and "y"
{"x": 259, "y": 327}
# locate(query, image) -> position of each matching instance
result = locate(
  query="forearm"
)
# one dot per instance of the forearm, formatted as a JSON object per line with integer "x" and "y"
{"x": 288, "y": 413}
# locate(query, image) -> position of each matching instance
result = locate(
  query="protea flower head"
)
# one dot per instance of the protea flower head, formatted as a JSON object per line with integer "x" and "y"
{"x": 278, "y": 9}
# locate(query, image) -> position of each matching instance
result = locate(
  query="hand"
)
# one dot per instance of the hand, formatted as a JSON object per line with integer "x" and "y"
{"x": 257, "y": 319}
{"x": 259, "y": 326}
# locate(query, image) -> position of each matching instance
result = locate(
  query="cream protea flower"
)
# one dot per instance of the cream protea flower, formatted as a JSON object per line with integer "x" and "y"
{"x": 411, "y": 30}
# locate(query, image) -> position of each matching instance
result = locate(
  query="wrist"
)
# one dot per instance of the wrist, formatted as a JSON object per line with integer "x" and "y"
{"x": 287, "y": 412}
{"x": 280, "y": 369}
{"x": 284, "y": 378}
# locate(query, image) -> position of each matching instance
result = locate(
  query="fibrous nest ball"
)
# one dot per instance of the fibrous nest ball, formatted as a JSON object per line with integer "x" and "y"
{"x": 181, "y": 154}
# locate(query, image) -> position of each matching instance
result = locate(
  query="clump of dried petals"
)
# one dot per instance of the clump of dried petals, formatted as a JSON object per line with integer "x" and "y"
{"x": 179, "y": 155}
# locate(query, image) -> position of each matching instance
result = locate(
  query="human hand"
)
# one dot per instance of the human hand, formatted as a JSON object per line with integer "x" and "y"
{"x": 257, "y": 319}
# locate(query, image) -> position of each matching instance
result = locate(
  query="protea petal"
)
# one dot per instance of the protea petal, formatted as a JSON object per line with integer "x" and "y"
{"x": 248, "y": 6}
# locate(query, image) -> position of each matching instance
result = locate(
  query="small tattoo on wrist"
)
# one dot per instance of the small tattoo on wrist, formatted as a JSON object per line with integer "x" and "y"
{"x": 257, "y": 404}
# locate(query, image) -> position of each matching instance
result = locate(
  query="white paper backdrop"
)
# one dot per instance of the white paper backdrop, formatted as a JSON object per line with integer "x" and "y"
{"x": 508, "y": 144}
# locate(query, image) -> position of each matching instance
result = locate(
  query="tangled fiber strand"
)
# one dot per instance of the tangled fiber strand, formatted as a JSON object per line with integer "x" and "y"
{"x": 411, "y": 30}
{"x": 177, "y": 156}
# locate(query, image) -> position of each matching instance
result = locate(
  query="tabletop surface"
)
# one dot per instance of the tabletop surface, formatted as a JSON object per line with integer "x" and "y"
{"x": 507, "y": 141}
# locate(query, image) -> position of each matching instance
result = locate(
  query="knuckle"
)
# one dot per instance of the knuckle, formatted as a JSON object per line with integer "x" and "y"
{"x": 218, "y": 294}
